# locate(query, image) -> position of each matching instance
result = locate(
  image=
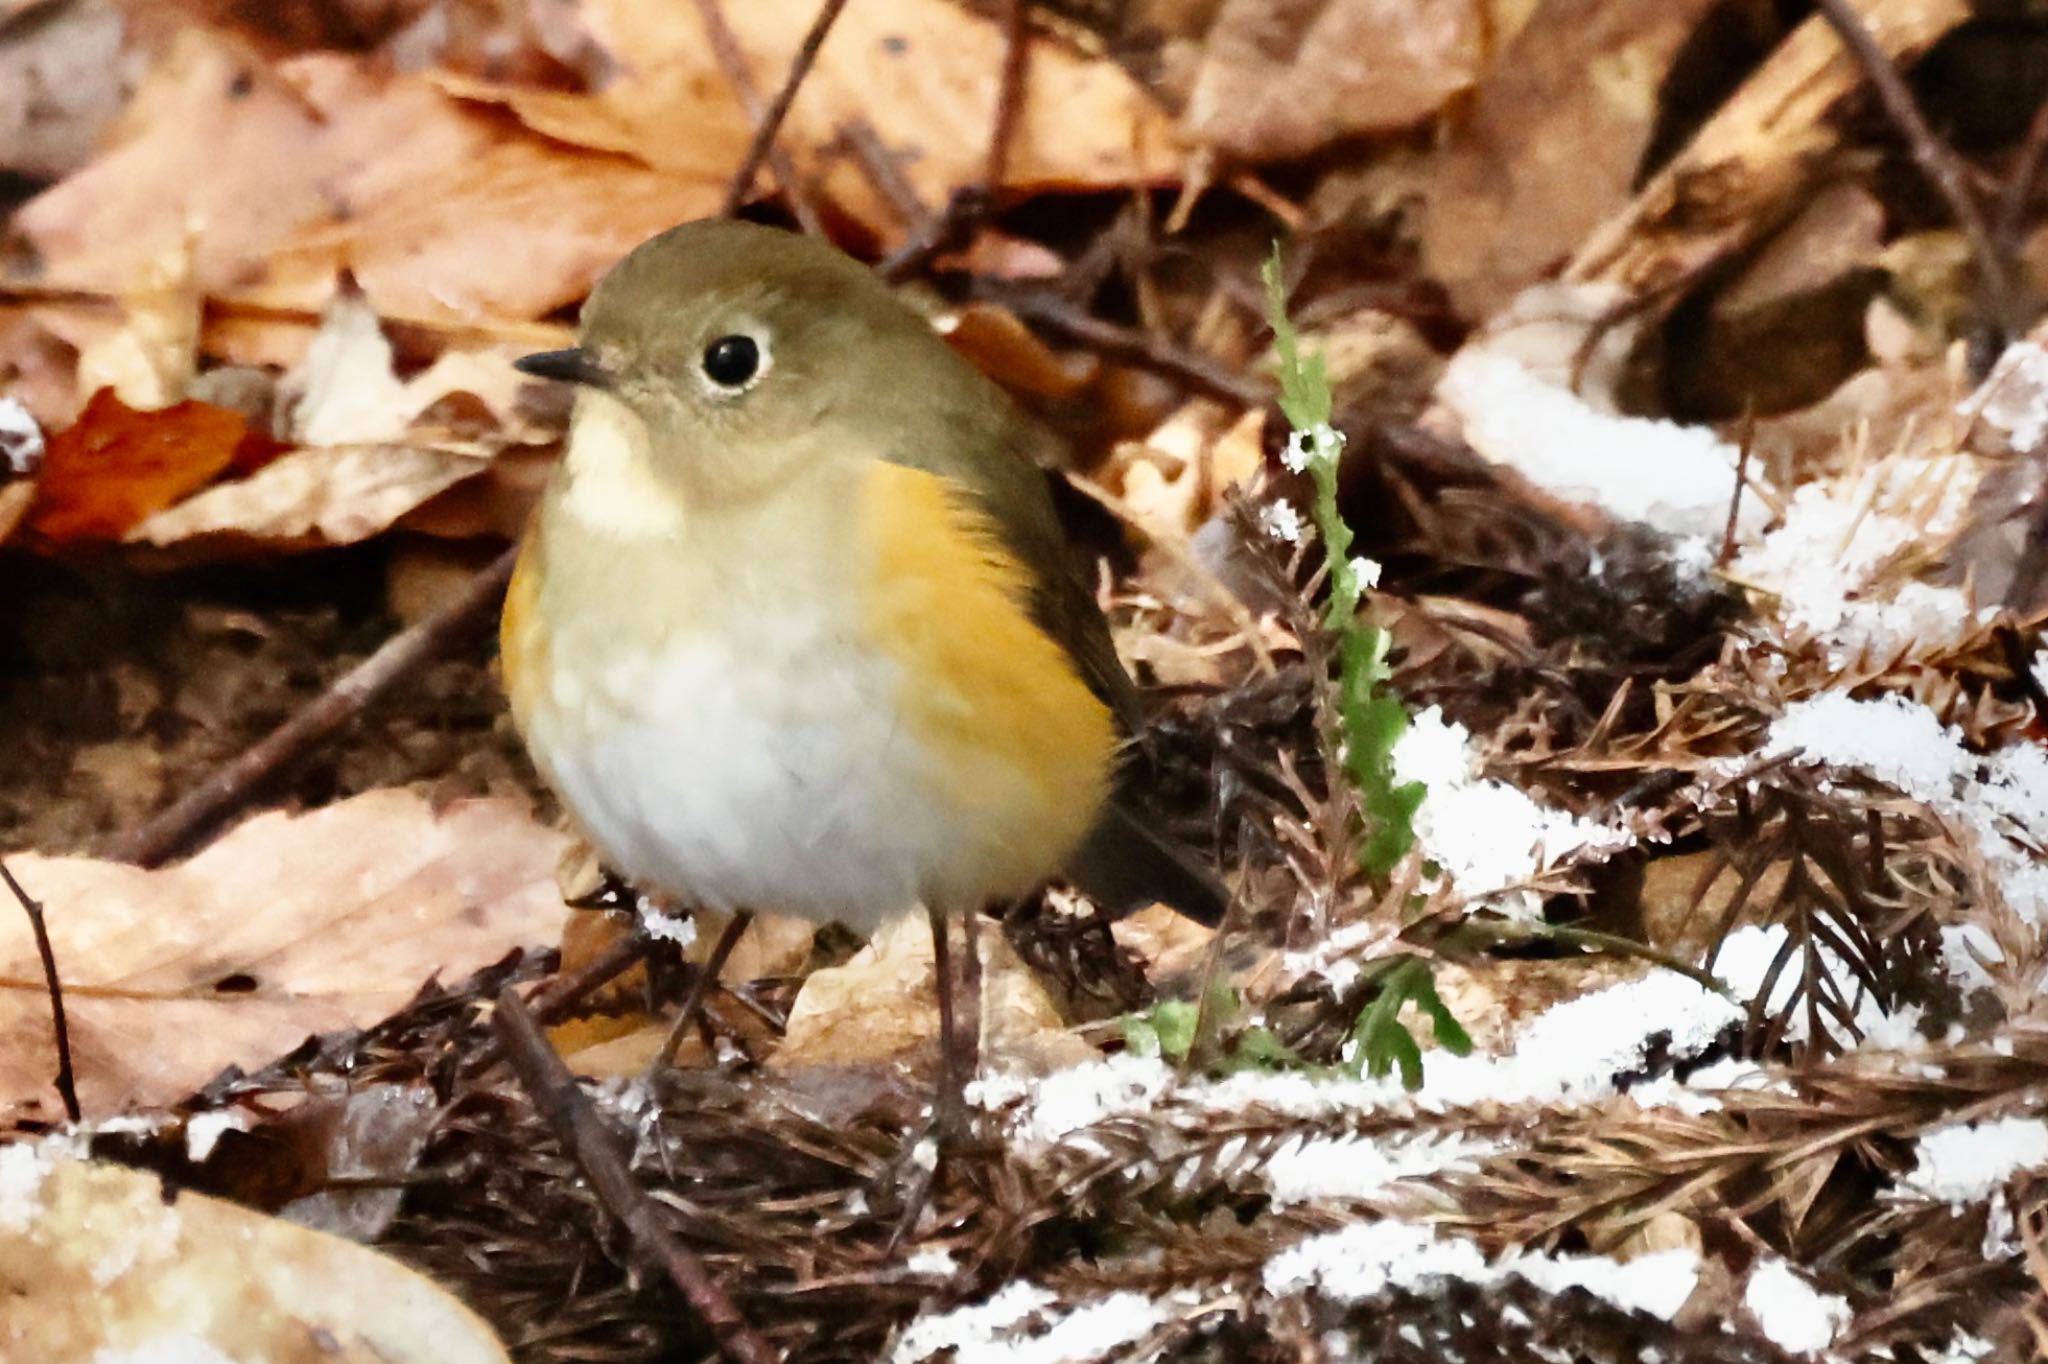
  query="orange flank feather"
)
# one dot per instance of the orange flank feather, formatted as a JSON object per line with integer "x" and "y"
{"x": 1024, "y": 749}
{"x": 522, "y": 642}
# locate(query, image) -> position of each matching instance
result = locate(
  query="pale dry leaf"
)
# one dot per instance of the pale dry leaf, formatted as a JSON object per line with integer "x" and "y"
{"x": 923, "y": 73}
{"x": 103, "y": 1262}
{"x": 326, "y": 495}
{"x": 883, "y": 1003}
{"x": 1281, "y": 80}
{"x": 62, "y": 80}
{"x": 150, "y": 354}
{"x": 348, "y": 391}
{"x": 317, "y": 164}
{"x": 290, "y": 925}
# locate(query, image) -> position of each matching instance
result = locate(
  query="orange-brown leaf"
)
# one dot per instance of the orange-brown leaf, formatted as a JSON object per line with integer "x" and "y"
{"x": 114, "y": 465}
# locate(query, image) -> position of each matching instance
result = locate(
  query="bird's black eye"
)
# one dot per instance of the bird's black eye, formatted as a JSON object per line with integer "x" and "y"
{"x": 732, "y": 361}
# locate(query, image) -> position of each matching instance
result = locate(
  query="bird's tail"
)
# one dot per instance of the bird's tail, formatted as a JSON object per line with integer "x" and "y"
{"x": 1127, "y": 863}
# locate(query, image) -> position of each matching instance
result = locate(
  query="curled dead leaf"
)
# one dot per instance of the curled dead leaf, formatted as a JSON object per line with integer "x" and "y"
{"x": 291, "y": 925}
{"x": 330, "y": 495}
{"x": 103, "y": 1262}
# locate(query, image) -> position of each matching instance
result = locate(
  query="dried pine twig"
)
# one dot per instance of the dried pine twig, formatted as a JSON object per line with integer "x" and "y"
{"x": 172, "y": 830}
{"x": 770, "y": 123}
{"x": 725, "y": 49}
{"x": 67, "y": 1082}
{"x": 1937, "y": 161}
{"x": 584, "y": 1135}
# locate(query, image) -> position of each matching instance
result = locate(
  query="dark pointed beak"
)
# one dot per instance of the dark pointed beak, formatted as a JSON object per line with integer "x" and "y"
{"x": 572, "y": 366}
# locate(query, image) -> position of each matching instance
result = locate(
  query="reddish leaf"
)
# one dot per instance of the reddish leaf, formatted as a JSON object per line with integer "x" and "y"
{"x": 115, "y": 465}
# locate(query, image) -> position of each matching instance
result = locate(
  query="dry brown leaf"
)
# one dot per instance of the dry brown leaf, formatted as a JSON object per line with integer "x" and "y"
{"x": 290, "y": 925}
{"x": 1557, "y": 130}
{"x": 1279, "y": 80}
{"x": 100, "y": 1261}
{"x": 315, "y": 165}
{"x": 149, "y": 356}
{"x": 115, "y": 466}
{"x": 331, "y": 495}
{"x": 61, "y": 81}
{"x": 883, "y": 1004}
{"x": 923, "y": 73}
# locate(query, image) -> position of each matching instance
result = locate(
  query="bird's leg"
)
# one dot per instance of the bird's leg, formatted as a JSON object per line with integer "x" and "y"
{"x": 701, "y": 986}
{"x": 949, "y": 1106}
{"x": 970, "y": 1002}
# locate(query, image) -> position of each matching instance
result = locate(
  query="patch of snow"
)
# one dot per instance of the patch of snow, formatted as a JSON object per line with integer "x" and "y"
{"x": 1362, "y": 1261}
{"x": 1280, "y": 520}
{"x": 1836, "y": 537}
{"x": 2000, "y": 800}
{"x": 992, "y": 1331}
{"x": 1677, "y": 479}
{"x": 1967, "y": 1162}
{"x": 21, "y": 440}
{"x": 203, "y": 1131}
{"x": 937, "y": 1262}
{"x": 1796, "y": 1316}
{"x": 1486, "y": 835}
{"x": 1322, "y": 1169}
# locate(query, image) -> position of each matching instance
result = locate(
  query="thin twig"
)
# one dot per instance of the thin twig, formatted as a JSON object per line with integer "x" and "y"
{"x": 67, "y": 1083}
{"x": 701, "y": 987}
{"x": 770, "y": 123}
{"x": 565, "y": 992}
{"x": 954, "y": 226}
{"x": 1009, "y": 94}
{"x": 1735, "y": 498}
{"x": 1136, "y": 347}
{"x": 585, "y": 1136}
{"x": 725, "y": 50}
{"x": 1937, "y": 161}
{"x": 172, "y": 830}
{"x": 2019, "y": 184}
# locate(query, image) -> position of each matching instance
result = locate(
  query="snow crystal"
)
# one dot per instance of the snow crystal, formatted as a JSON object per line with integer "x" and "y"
{"x": 21, "y": 440}
{"x": 1968, "y": 1161}
{"x": 1280, "y": 520}
{"x": 203, "y": 1131}
{"x": 23, "y": 1167}
{"x": 1362, "y": 1261}
{"x": 938, "y": 1262}
{"x": 1791, "y": 1311}
{"x": 2014, "y": 397}
{"x": 1677, "y": 479}
{"x": 1486, "y": 835}
{"x": 664, "y": 927}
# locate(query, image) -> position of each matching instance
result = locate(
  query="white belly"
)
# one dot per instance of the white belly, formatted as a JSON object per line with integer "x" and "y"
{"x": 762, "y": 768}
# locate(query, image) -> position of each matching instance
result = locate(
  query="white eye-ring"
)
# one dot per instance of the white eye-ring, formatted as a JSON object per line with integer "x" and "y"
{"x": 734, "y": 362}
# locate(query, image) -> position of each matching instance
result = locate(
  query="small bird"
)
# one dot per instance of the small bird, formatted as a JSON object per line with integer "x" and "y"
{"x": 795, "y": 626}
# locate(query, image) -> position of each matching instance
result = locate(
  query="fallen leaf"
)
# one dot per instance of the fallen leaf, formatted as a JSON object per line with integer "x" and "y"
{"x": 291, "y": 925}
{"x": 1281, "y": 80}
{"x": 150, "y": 355}
{"x": 1551, "y": 148}
{"x": 922, "y": 73}
{"x": 328, "y": 495}
{"x": 100, "y": 1262}
{"x": 319, "y": 164}
{"x": 883, "y": 1003}
{"x": 115, "y": 466}
{"x": 61, "y": 81}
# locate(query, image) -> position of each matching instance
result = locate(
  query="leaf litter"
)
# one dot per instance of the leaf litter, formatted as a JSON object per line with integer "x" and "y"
{"x": 1731, "y": 839}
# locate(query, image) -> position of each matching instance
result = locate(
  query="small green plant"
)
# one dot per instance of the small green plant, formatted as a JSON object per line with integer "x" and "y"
{"x": 1383, "y": 1042}
{"x": 1167, "y": 1030}
{"x": 1370, "y": 720}
{"x": 1366, "y": 719}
